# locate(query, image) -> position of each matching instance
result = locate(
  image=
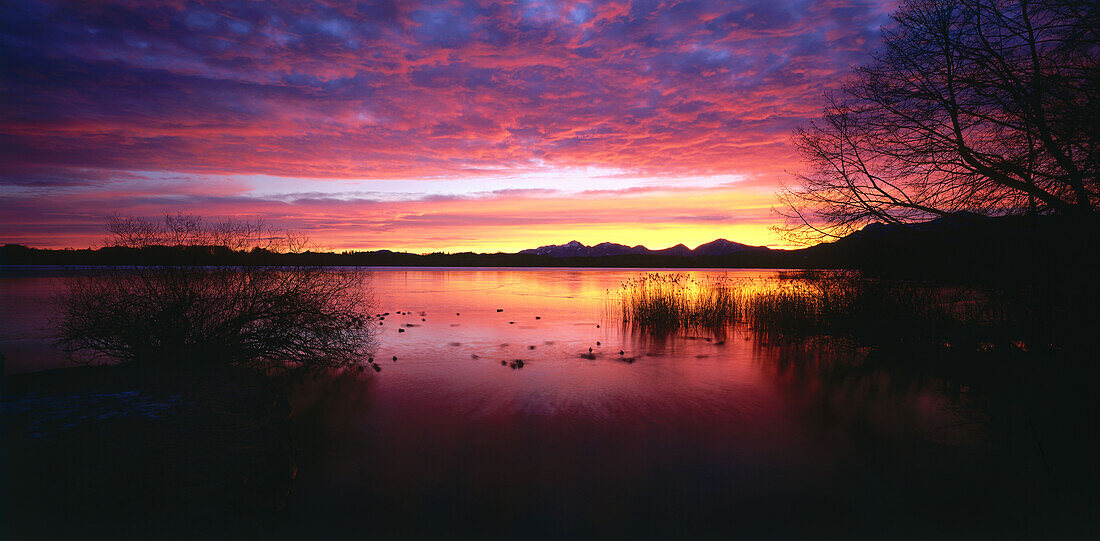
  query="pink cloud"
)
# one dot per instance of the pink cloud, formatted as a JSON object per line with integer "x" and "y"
{"x": 95, "y": 92}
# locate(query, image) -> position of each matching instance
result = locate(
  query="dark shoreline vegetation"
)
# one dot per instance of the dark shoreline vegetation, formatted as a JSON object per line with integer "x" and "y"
{"x": 847, "y": 307}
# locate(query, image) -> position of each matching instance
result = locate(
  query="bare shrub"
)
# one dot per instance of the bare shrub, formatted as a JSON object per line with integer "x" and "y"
{"x": 189, "y": 312}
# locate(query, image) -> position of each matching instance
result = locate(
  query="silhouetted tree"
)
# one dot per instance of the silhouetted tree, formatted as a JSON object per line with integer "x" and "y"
{"x": 985, "y": 106}
{"x": 261, "y": 317}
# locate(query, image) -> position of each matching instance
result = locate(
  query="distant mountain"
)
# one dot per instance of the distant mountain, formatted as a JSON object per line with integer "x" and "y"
{"x": 573, "y": 248}
{"x": 961, "y": 221}
{"x": 576, "y": 249}
{"x": 968, "y": 246}
{"x": 725, "y": 247}
{"x": 679, "y": 250}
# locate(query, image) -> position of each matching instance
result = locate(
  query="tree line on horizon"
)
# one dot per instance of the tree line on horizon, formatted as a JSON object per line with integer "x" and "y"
{"x": 957, "y": 248}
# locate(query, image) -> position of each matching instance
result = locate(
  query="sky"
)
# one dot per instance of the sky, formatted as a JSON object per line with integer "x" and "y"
{"x": 417, "y": 126}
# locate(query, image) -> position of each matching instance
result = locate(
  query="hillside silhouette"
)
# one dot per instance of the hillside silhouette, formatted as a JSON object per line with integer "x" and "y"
{"x": 960, "y": 246}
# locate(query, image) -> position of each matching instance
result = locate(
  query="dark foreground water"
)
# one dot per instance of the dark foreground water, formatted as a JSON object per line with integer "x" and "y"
{"x": 697, "y": 434}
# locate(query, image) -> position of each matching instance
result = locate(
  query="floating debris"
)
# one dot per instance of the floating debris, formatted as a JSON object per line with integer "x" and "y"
{"x": 400, "y": 330}
{"x": 530, "y": 347}
{"x": 454, "y": 344}
{"x": 597, "y": 342}
{"x": 500, "y": 309}
{"x": 518, "y": 363}
{"x": 511, "y": 322}
{"x": 474, "y": 356}
{"x": 395, "y": 358}
{"x": 588, "y": 356}
{"x": 538, "y": 317}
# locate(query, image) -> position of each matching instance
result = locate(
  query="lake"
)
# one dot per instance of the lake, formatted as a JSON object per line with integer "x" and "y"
{"x": 691, "y": 433}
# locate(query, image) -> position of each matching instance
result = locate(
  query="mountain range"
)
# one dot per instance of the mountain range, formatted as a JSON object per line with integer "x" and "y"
{"x": 960, "y": 246}
{"x": 574, "y": 248}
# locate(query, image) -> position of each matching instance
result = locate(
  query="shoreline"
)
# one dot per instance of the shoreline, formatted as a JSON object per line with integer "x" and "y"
{"x": 186, "y": 450}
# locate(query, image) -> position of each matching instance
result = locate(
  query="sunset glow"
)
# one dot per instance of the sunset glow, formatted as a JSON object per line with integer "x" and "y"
{"x": 436, "y": 126}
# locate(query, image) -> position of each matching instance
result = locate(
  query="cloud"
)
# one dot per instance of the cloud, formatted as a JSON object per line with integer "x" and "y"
{"x": 281, "y": 88}
{"x": 414, "y": 90}
{"x": 501, "y": 219}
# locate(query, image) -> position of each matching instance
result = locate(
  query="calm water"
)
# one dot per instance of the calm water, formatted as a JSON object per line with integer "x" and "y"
{"x": 702, "y": 434}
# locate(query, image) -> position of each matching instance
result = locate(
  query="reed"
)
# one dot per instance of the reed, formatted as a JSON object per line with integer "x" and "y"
{"x": 823, "y": 303}
{"x": 785, "y": 310}
{"x": 671, "y": 301}
{"x": 878, "y": 312}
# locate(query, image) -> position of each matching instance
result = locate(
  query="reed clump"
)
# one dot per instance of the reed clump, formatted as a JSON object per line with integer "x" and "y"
{"x": 840, "y": 304}
{"x": 670, "y": 301}
{"x": 880, "y": 312}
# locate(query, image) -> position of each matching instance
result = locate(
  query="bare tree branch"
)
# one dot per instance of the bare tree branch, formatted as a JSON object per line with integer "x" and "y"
{"x": 984, "y": 106}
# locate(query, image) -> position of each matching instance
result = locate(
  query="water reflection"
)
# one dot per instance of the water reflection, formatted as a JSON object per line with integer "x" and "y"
{"x": 706, "y": 432}
{"x": 713, "y": 432}
{"x": 28, "y": 301}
